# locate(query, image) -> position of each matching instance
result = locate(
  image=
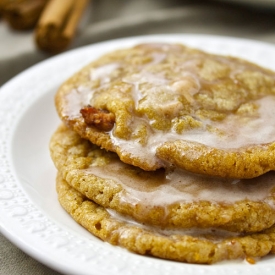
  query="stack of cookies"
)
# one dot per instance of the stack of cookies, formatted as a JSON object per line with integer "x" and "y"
{"x": 169, "y": 151}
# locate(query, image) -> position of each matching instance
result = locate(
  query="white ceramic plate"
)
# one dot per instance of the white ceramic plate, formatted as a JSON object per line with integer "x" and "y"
{"x": 30, "y": 215}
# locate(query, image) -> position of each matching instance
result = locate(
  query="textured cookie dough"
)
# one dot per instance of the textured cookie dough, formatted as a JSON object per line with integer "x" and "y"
{"x": 157, "y": 105}
{"x": 170, "y": 199}
{"x": 204, "y": 247}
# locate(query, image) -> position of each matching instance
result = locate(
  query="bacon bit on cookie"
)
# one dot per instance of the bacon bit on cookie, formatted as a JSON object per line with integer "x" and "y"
{"x": 99, "y": 118}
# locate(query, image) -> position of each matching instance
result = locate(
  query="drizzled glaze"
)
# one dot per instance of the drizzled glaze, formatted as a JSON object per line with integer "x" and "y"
{"x": 216, "y": 235}
{"x": 156, "y": 88}
{"x": 102, "y": 73}
{"x": 160, "y": 188}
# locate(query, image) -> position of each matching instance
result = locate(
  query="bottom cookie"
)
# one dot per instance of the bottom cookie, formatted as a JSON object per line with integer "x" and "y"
{"x": 204, "y": 246}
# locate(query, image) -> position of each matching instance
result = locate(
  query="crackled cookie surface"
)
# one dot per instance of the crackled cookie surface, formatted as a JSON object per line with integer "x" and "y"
{"x": 162, "y": 104}
{"x": 193, "y": 246}
{"x": 169, "y": 199}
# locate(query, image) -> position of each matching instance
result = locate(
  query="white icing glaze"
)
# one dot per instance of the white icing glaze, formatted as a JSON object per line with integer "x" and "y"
{"x": 75, "y": 101}
{"x": 200, "y": 233}
{"x": 236, "y": 131}
{"x": 80, "y": 97}
{"x": 103, "y": 72}
{"x": 157, "y": 58}
{"x": 140, "y": 78}
{"x": 161, "y": 188}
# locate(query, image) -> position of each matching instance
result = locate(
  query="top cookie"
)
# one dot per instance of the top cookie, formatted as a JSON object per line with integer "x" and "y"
{"x": 157, "y": 105}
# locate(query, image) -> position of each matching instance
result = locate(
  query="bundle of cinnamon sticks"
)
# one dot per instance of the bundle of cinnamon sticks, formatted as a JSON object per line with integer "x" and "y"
{"x": 55, "y": 21}
{"x": 57, "y": 25}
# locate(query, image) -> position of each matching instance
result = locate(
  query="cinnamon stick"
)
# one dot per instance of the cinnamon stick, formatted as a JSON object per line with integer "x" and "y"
{"x": 22, "y": 14}
{"x": 2, "y": 6}
{"x": 57, "y": 25}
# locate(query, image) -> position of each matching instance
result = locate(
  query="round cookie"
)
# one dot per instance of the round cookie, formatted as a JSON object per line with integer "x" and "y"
{"x": 193, "y": 246}
{"x": 169, "y": 199}
{"x": 157, "y": 105}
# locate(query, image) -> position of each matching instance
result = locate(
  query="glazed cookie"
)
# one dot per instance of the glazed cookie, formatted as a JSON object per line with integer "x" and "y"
{"x": 192, "y": 246}
{"x": 158, "y": 105}
{"x": 169, "y": 199}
